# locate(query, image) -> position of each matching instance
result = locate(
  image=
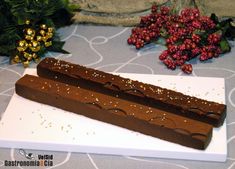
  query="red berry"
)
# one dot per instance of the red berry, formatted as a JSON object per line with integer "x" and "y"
{"x": 129, "y": 41}
{"x": 164, "y": 55}
{"x": 187, "y": 68}
{"x": 137, "y": 46}
{"x": 147, "y": 39}
{"x": 154, "y": 8}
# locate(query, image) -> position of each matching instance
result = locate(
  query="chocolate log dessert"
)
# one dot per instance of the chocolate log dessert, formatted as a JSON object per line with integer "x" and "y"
{"x": 124, "y": 113}
{"x": 150, "y": 95}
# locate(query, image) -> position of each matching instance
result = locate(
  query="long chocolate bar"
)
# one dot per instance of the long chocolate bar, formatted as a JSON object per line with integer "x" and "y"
{"x": 127, "y": 114}
{"x": 154, "y": 96}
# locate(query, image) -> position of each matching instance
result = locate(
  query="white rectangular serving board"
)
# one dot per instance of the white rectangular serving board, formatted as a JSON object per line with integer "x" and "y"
{"x": 31, "y": 125}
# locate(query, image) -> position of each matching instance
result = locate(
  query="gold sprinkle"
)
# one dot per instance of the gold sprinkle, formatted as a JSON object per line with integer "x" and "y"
{"x": 185, "y": 121}
{"x": 43, "y": 87}
{"x": 129, "y": 81}
{"x": 96, "y": 99}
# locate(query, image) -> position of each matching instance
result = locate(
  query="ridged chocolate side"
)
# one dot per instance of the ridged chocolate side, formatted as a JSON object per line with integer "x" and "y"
{"x": 175, "y": 102}
{"x": 113, "y": 110}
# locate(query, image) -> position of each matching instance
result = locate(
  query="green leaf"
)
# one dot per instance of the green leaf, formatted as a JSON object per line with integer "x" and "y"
{"x": 230, "y": 33}
{"x": 224, "y": 45}
{"x": 214, "y": 18}
{"x": 57, "y": 46}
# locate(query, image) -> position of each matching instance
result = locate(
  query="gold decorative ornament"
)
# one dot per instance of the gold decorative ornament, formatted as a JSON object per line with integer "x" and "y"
{"x": 27, "y": 22}
{"x": 47, "y": 44}
{"x": 34, "y": 40}
{"x": 39, "y": 38}
{"x": 50, "y": 29}
{"x": 16, "y": 59}
{"x": 43, "y": 26}
{"x": 26, "y": 64}
{"x": 42, "y": 32}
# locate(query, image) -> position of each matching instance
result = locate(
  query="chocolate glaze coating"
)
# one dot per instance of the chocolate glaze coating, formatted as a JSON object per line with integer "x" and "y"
{"x": 154, "y": 96}
{"x": 113, "y": 110}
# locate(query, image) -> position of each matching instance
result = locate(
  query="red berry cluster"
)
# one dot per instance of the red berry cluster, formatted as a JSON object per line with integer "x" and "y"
{"x": 183, "y": 34}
